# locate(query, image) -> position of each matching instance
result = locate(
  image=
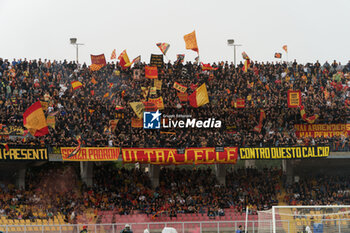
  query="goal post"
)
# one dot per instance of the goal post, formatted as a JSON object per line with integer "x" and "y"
{"x": 315, "y": 219}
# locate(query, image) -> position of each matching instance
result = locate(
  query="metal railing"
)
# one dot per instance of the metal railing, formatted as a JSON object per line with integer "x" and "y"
{"x": 282, "y": 226}
{"x": 153, "y": 227}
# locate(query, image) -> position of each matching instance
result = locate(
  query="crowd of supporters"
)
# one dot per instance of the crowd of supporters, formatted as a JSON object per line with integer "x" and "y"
{"x": 87, "y": 111}
{"x": 58, "y": 191}
{"x": 51, "y": 191}
{"x": 319, "y": 190}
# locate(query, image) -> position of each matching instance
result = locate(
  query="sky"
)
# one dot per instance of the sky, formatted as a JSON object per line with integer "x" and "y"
{"x": 313, "y": 30}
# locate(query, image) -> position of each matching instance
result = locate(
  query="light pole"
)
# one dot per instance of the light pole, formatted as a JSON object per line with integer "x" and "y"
{"x": 73, "y": 41}
{"x": 231, "y": 42}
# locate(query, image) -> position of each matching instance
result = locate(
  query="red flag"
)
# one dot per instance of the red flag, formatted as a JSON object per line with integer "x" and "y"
{"x": 240, "y": 103}
{"x": 194, "y": 86}
{"x": 151, "y": 72}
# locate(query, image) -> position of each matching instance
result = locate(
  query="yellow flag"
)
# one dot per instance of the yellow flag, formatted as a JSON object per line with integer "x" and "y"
{"x": 191, "y": 41}
{"x": 144, "y": 91}
{"x": 138, "y": 108}
{"x": 158, "y": 84}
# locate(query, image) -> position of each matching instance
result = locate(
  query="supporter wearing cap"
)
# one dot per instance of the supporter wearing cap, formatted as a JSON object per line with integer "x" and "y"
{"x": 127, "y": 229}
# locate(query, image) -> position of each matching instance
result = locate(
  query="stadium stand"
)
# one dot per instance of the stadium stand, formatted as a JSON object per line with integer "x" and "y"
{"x": 324, "y": 92}
{"x": 55, "y": 194}
{"x": 121, "y": 195}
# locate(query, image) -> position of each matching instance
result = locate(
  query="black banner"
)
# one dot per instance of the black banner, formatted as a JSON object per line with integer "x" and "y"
{"x": 157, "y": 60}
{"x": 303, "y": 152}
{"x": 27, "y": 153}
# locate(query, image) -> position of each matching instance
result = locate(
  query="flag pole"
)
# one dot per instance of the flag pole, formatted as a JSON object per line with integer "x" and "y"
{"x": 167, "y": 58}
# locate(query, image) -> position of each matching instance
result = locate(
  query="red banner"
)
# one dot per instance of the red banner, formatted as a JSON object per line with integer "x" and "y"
{"x": 172, "y": 156}
{"x": 136, "y": 123}
{"x": 240, "y": 103}
{"x": 321, "y": 130}
{"x": 294, "y": 99}
{"x": 151, "y": 72}
{"x": 98, "y": 59}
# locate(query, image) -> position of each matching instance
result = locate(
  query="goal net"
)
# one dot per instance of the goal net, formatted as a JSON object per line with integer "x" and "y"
{"x": 300, "y": 219}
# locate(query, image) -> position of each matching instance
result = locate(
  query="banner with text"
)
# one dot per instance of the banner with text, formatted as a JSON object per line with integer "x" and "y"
{"x": 91, "y": 154}
{"x": 27, "y": 153}
{"x": 11, "y": 130}
{"x": 174, "y": 156}
{"x": 157, "y": 60}
{"x": 321, "y": 130}
{"x": 303, "y": 152}
{"x": 294, "y": 99}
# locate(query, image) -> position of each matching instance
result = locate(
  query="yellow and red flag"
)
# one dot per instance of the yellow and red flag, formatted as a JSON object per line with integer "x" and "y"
{"x": 106, "y": 95}
{"x": 118, "y": 107}
{"x": 76, "y": 84}
{"x": 136, "y": 123}
{"x": 183, "y": 97}
{"x": 151, "y": 72}
{"x": 180, "y": 58}
{"x": 309, "y": 120}
{"x": 34, "y": 120}
{"x": 199, "y": 97}
{"x": 163, "y": 47}
{"x": 191, "y": 41}
{"x": 245, "y": 56}
{"x": 95, "y": 67}
{"x": 124, "y": 61}
{"x": 261, "y": 118}
{"x": 158, "y": 102}
{"x": 114, "y": 54}
{"x": 136, "y": 60}
{"x": 246, "y": 65}
{"x": 285, "y": 48}
{"x": 207, "y": 67}
{"x": 97, "y": 62}
{"x": 93, "y": 80}
{"x": 294, "y": 99}
{"x": 110, "y": 85}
